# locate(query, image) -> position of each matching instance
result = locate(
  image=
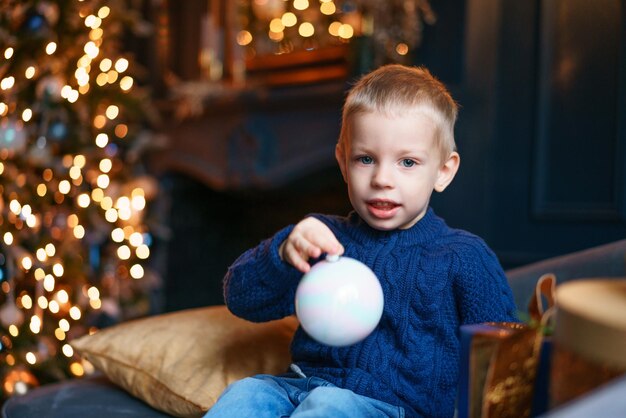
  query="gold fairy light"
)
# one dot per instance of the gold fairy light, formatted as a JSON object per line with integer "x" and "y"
{"x": 96, "y": 34}
{"x": 79, "y": 232}
{"x": 26, "y": 210}
{"x": 54, "y": 307}
{"x": 122, "y": 202}
{"x": 26, "y": 301}
{"x": 84, "y": 61}
{"x": 62, "y": 296}
{"x": 103, "y": 12}
{"x": 35, "y": 324}
{"x": 103, "y": 181}
{"x": 27, "y": 263}
{"x": 41, "y": 254}
{"x": 58, "y": 269}
{"x": 105, "y": 165}
{"x": 50, "y": 249}
{"x": 106, "y": 203}
{"x": 123, "y": 252}
{"x": 300, "y": 4}
{"x": 83, "y": 200}
{"x": 27, "y": 114}
{"x": 105, "y": 65}
{"x": 112, "y": 76}
{"x": 117, "y": 235}
{"x": 126, "y": 83}
{"x": 102, "y": 79}
{"x": 39, "y": 274}
{"x": 31, "y": 221}
{"x": 30, "y": 357}
{"x": 59, "y": 334}
{"x": 121, "y": 65}
{"x": 74, "y": 172}
{"x": 42, "y": 302}
{"x": 8, "y": 53}
{"x": 64, "y": 186}
{"x": 13, "y": 330}
{"x": 29, "y": 72}
{"x": 7, "y": 83}
{"x": 64, "y": 324}
{"x": 97, "y": 195}
{"x": 91, "y": 49}
{"x": 75, "y": 313}
{"x": 345, "y": 31}
{"x": 306, "y": 29}
{"x": 67, "y": 350}
{"x": 328, "y": 8}
{"x": 121, "y": 130}
{"x": 102, "y": 140}
{"x": 402, "y": 48}
{"x": 289, "y": 19}
{"x": 111, "y": 215}
{"x": 99, "y": 121}
{"x": 77, "y": 369}
{"x": 49, "y": 282}
{"x": 93, "y": 293}
{"x": 136, "y": 271}
{"x": 112, "y": 112}
{"x": 136, "y": 239}
{"x": 72, "y": 220}
{"x": 244, "y": 38}
{"x": 124, "y": 213}
{"x": 142, "y": 252}
{"x": 51, "y": 48}
{"x": 276, "y": 25}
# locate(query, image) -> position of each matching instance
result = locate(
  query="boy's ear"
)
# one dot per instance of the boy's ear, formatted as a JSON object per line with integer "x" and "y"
{"x": 340, "y": 156}
{"x": 447, "y": 171}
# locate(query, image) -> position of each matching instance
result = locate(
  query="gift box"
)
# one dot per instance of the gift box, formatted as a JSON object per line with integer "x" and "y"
{"x": 589, "y": 337}
{"x": 505, "y": 366}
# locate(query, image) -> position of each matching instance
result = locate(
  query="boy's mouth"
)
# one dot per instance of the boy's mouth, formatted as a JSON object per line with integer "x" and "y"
{"x": 380, "y": 208}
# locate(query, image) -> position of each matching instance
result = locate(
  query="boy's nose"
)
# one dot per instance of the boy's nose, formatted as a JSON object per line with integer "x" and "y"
{"x": 382, "y": 178}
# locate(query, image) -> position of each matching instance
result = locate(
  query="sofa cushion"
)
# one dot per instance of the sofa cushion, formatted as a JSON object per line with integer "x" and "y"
{"x": 181, "y": 362}
{"x": 93, "y": 397}
{"x": 608, "y": 260}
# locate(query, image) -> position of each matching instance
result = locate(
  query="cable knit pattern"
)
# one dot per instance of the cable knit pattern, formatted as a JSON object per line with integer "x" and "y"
{"x": 434, "y": 279}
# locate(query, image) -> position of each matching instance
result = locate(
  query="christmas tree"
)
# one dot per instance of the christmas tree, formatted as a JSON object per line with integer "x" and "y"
{"x": 74, "y": 240}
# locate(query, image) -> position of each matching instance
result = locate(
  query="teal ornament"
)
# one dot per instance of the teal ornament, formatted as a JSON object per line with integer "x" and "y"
{"x": 12, "y": 136}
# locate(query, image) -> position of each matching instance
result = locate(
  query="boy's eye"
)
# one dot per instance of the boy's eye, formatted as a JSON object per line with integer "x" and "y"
{"x": 366, "y": 160}
{"x": 408, "y": 163}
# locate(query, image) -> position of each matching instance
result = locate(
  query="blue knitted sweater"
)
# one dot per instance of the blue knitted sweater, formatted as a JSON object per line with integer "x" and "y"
{"x": 434, "y": 278}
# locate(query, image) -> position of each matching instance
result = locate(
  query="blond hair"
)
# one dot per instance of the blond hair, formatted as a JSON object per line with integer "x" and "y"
{"x": 394, "y": 88}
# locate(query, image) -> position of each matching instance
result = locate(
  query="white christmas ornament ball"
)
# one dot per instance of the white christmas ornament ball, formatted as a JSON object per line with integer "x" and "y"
{"x": 340, "y": 302}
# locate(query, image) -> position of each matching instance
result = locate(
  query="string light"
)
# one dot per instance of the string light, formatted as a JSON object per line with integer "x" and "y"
{"x": 60, "y": 199}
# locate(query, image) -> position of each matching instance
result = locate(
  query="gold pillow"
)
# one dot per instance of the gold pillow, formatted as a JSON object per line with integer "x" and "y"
{"x": 181, "y": 362}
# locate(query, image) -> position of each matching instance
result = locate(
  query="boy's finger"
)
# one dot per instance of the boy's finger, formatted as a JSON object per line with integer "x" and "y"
{"x": 294, "y": 257}
{"x": 307, "y": 248}
{"x": 332, "y": 246}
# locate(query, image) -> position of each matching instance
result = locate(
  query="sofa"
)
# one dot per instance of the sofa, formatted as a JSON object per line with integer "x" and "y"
{"x": 232, "y": 348}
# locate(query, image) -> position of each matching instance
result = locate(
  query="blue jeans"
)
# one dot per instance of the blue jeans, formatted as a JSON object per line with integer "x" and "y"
{"x": 265, "y": 396}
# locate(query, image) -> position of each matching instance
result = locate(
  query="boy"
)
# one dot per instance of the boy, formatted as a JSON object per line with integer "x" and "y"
{"x": 396, "y": 146}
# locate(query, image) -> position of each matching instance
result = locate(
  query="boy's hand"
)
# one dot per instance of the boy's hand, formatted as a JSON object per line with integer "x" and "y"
{"x": 308, "y": 239}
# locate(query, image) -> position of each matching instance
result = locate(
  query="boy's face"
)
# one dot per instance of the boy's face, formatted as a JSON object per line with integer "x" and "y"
{"x": 391, "y": 165}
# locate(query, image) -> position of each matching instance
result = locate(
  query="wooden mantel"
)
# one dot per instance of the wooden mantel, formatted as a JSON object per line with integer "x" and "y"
{"x": 254, "y": 138}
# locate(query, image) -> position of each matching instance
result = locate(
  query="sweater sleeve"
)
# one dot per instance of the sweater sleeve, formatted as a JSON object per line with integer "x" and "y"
{"x": 259, "y": 286}
{"x": 481, "y": 288}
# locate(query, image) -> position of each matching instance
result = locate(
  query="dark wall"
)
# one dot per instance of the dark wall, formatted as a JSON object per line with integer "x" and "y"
{"x": 541, "y": 129}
